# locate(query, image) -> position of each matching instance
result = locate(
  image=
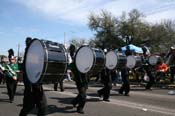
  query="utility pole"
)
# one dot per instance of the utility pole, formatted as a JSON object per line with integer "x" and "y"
{"x": 18, "y": 51}
{"x": 65, "y": 39}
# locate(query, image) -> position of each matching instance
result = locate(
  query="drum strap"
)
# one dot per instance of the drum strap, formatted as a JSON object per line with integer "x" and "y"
{"x": 37, "y": 88}
{"x": 83, "y": 78}
{"x": 109, "y": 75}
{"x": 80, "y": 75}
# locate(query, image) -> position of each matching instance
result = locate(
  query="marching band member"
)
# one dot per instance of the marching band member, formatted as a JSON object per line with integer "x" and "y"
{"x": 61, "y": 85}
{"x": 171, "y": 63}
{"x": 125, "y": 79}
{"x": 147, "y": 69}
{"x": 107, "y": 81}
{"x": 125, "y": 76}
{"x": 81, "y": 83}
{"x": 66, "y": 77}
{"x": 128, "y": 51}
{"x": 33, "y": 93}
{"x": 10, "y": 71}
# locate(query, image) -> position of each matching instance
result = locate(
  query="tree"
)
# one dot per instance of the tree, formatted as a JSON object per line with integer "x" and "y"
{"x": 106, "y": 32}
{"x": 113, "y": 32}
{"x": 162, "y": 35}
{"x": 78, "y": 42}
{"x": 133, "y": 26}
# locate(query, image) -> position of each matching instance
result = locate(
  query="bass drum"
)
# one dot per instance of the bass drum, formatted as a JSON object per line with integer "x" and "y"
{"x": 114, "y": 61}
{"x": 46, "y": 61}
{"x": 133, "y": 61}
{"x": 153, "y": 59}
{"x": 89, "y": 60}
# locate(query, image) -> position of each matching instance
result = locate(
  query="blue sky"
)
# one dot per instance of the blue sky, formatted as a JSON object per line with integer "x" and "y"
{"x": 50, "y": 19}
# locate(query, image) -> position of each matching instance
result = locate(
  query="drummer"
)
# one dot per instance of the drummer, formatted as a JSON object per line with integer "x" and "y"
{"x": 107, "y": 81}
{"x": 125, "y": 79}
{"x": 33, "y": 93}
{"x": 171, "y": 63}
{"x": 125, "y": 88}
{"x": 128, "y": 51}
{"x": 147, "y": 69}
{"x": 82, "y": 85}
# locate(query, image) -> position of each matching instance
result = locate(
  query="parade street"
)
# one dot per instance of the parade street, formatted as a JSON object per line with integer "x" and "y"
{"x": 140, "y": 102}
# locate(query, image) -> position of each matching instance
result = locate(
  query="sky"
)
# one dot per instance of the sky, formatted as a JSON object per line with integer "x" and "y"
{"x": 58, "y": 19}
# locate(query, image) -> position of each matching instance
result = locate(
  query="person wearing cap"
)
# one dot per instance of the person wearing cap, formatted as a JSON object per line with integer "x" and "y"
{"x": 10, "y": 54}
{"x": 10, "y": 71}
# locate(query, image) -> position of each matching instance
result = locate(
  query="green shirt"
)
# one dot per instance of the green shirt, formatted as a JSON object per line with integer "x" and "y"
{"x": 10, "y": 70}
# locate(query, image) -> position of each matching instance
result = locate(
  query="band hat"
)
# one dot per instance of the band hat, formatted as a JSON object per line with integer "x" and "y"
{"x": 13, "y": 58}
{"x": 172, "y": 47}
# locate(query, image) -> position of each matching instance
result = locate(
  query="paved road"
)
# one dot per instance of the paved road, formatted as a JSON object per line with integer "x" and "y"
{"x": 140, "y": 102}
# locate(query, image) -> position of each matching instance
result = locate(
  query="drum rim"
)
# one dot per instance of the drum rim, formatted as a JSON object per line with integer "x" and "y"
{"x": 115, "y": 64}
{"x": 76, "y": 56}
{"x": 39, "y": 80}
{"x": 152, "y": 56}
{"x": 134, "y": 59}
{"x": 94, "y": 58}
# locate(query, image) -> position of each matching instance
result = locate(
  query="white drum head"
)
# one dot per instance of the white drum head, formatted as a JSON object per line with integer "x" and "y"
{"x": 35, "y": 61}
{"x": 131, "y": 61}
{"x": 153, "y": 59}
{"x": 84, "y": 59}
{"x": 111, "y": 60}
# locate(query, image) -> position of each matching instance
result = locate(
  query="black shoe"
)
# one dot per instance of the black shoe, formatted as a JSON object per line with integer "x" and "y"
{"x": 126, "y": 94}
{"x": 106, "y": 100}
{"x": 149, "y": 89}
{"x": 80, "y": 111}
{"x": 99, "y": 95}
{"x": 11, "y": 101}
{"x": 120, "y": 92}
{"x": 62, "y": 90}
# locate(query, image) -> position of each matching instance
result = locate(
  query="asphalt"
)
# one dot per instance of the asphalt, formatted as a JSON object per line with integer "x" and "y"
{"x": 140, "y": 102}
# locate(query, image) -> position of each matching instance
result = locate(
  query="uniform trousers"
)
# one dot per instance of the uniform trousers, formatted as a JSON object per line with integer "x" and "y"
{"x": 125, "y": 79}
{"x": 105, "y": 91}
{"x": 80, "y": 98}
{"x": 34, "y": 97}
{"x": 61, "y": 86}
{"x": 11, "y": 87}
{"x": 151, "y": 81}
